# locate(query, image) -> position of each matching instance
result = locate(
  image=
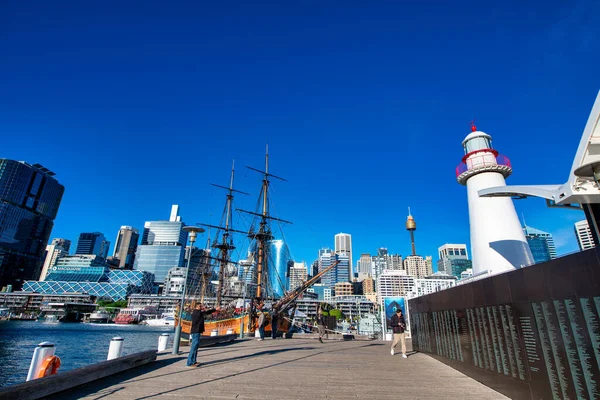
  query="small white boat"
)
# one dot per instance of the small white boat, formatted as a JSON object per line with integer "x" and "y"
{"x": 166, "y": 319}
{"x": 99, "y": 317}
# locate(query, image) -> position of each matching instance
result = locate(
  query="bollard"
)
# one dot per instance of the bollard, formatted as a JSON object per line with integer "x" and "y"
{"x": 230, "y": 331}
{"x": 163, "y": 340}
{"x": 43, "y": 350}
{"x": 116, "y": 348}
{"x": 214, "y": 332}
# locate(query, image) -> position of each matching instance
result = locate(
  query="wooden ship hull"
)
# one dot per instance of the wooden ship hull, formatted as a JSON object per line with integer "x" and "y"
{"x": 231, "y": 324}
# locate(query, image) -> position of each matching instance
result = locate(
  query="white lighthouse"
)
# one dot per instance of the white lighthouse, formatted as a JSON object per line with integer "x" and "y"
{"x": 498, "y": 243}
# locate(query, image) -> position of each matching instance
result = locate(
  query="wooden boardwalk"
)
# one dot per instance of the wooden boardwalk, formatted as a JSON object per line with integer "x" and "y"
{"x": 290, "y": 369}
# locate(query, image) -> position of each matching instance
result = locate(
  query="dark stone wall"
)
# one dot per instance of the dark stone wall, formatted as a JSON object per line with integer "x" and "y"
{"x": 533, "y": 333}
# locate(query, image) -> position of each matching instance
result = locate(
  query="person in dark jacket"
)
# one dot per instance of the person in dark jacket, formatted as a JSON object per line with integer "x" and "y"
{"x": 321, "y": 324}
{"x": 399, "y": 326}
{"x": 196, "y": 330}
{"x": 274, "y": 323}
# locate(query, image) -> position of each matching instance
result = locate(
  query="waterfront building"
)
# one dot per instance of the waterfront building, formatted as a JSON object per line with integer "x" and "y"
{"x": 395, "y": 284}
{"x": 162, "y": 304}
{"x": 31, "y": 302}
{"x": 29, "y": 200}
{"x": 343, "y": 246}
{"x": 453, "y": 259}
{"x": 298, "y": 275}
{"x": 343, "y": 289}
{"x": 58, "y": 248}
{"x": 90, "y": 274}
{"x": 417, "y": 266}
{"x": 163, "y": 246}
{"x": 498, "y": 243}
{"x": 584, "y": 235}
{"x": 93, "y": 243}
{"x": 126, "y": 246}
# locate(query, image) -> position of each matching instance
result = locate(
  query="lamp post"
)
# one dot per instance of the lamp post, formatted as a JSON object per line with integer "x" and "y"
{"x": 193, "y": 232}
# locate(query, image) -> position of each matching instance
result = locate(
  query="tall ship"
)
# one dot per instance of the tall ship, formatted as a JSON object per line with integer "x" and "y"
{"x": 246, "y": 288}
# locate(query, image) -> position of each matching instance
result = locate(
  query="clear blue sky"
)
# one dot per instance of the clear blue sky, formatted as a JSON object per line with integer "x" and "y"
{"x": 140, "y": 105}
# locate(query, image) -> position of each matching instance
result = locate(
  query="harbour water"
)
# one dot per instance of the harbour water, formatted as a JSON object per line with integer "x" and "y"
{"x": 77, "y": 345}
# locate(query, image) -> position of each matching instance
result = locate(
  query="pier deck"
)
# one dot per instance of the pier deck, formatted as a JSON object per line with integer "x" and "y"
{"x": 290, "y": 369}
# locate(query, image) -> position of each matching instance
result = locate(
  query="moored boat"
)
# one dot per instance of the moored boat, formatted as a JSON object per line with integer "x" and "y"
{"x": 99, "y": 317}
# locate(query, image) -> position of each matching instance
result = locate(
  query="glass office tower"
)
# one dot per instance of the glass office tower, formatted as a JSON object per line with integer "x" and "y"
{"x": 29, "y": 201}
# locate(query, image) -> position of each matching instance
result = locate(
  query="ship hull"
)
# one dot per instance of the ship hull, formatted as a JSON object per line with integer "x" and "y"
{"x": 231, "y": 324}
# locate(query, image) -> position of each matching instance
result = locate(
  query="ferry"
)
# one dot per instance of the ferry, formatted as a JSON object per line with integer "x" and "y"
{"x": 99, "y": 317}
{"x": 166, "y": 319}
{"x": 128, "y": 316}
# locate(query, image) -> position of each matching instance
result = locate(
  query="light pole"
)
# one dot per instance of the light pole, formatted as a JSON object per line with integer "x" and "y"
{"x": 193, "y": 231}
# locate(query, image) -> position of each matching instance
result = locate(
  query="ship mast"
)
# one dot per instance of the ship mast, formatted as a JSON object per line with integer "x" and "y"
{"x": 263, "y": 235}
{"x": 225, "y": 245}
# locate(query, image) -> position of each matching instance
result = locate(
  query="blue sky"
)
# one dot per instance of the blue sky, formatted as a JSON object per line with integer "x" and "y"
{"x": 140, "y": 105}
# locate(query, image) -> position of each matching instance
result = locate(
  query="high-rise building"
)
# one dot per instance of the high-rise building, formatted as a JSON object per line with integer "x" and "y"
{"x": 93, "y": 243}
{"x": 532, "y": 232}
{"x": 163, "y": 246}
{"x": 279, "y": 256}
{"x": 584, "y": 235}
{"x": 368, "y": 286}
{"x": 29, "y": 201}
{"x": 453, "y": 259}
{"x": 418, "y": 267}
{"x": 126, "y": 246}
{"x": 343, "y": 245}
{"x": 298, "y": 275}
{"x": 394, "y": 284}
{"x": 325, "y": 260}
{"x": 365, "y": 264}
{"x": 58, "y": 248}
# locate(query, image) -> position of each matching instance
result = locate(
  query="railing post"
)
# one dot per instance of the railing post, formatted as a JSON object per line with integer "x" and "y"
{"x": 43, "y": 350}
{"x": 116, "y": 348}
{"x": 163, "y": 340}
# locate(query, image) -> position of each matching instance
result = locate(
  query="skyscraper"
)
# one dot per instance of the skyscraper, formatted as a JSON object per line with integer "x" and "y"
{"x": 163, "y": 246}
{"x": 58, "y": 248}
{"x": 418, "y": 267}
{"x": 584, "y": 235}
{"x": 29, "y": 201}
{"x": 126, "y": 246}
{"x": 279, "y": 257}
{"x": 365, "y": 264}
{"x": 298, "y": 275}
{"x": 343, "y": 245}
{"x": 93, "y": 243}
{"x": 453, "y": 259}
{"x": 540, "y": 251}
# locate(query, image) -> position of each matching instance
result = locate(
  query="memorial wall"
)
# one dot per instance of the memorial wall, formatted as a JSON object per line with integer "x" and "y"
{"x": 533, "y": 333}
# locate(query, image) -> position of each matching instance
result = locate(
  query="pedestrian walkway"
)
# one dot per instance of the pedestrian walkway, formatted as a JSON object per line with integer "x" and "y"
{"x": 290, "y": 369}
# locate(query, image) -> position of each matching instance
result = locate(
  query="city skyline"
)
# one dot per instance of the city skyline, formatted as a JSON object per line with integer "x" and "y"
{"x": 365, "y": 105}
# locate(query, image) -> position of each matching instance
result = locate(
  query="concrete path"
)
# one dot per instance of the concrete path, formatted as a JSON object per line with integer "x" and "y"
{"x": 290, "y": 369}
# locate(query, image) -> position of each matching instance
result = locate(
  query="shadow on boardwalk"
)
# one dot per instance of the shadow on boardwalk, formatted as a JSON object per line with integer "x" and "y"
{"x": 290, "y": 369}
